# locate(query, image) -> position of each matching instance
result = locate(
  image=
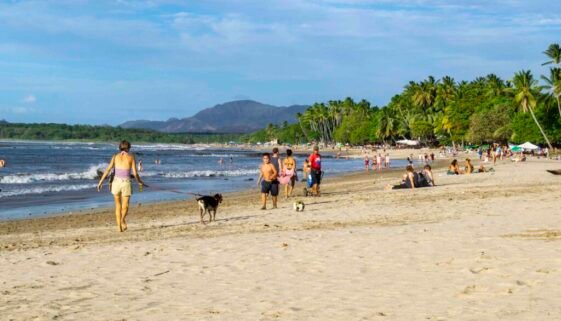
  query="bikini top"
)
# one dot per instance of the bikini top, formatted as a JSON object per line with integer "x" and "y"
{"x": 123, "y": 173}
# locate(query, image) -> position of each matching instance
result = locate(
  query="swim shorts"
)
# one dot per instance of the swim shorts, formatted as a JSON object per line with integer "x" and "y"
{"x": 316, "y": 176}
{"x": 121, "y": 187}
{"x": 270, "y": 187}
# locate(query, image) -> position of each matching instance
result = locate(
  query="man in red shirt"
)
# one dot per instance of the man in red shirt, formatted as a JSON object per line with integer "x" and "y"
{"x": 315, "y": 164}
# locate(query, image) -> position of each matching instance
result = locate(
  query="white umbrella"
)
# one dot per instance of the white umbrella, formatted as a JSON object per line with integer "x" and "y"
{"x": 528, "y": 145}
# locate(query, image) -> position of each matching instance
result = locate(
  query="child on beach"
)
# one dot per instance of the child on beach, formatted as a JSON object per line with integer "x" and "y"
{"x": 267, "y": 176}
{"x": 305, "y": 170}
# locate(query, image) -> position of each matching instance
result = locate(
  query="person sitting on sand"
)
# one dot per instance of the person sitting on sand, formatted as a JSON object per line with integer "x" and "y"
{"x": 454, "y": 169}
{"x": 519, "y": 158}
{"x": 124, "y": 163}
{"x": 428, "y": 176}
{"x": 267, "y": 178}
{"x": 469, "y": 166}
{"x": 410, "y": 179}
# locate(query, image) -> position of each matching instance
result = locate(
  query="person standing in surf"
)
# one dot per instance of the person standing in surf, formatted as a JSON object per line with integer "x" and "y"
{"x": 124, "y": 164}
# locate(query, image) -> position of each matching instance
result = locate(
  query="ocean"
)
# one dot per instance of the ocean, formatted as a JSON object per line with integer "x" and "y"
{"x": 43, "y": 178}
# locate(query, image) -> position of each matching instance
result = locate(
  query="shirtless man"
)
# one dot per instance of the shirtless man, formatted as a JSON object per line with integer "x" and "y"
{"x": 267, "y": 176}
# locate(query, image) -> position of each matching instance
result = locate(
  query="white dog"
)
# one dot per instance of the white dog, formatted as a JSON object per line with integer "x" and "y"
{"x": 298, "y": 206}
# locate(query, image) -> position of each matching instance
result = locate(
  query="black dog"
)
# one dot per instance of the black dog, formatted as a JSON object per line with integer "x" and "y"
{"x": 209, "y": 204}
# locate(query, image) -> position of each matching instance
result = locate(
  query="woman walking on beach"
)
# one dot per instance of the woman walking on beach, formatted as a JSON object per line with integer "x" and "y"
{"x": 288, "y": 174}
{"x": 124, "y": 164}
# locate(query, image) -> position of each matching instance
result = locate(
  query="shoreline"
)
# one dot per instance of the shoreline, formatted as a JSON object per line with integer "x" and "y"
{"x": 52, "y": 209}
{"x": 233, "y": 196}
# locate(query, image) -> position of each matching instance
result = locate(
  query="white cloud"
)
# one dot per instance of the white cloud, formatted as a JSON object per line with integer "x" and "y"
{"x": 29, "y": 99}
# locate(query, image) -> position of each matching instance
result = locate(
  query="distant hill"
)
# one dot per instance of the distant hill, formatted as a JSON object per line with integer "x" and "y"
{"x": 2, "y": 121}
{"x": 242, "y": 116}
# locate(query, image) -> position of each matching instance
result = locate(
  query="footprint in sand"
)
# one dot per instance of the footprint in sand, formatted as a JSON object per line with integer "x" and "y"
{"x": 478, "y": 270}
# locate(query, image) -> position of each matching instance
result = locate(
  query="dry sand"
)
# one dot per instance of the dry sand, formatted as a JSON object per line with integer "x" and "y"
{"x": 478, "y": 247}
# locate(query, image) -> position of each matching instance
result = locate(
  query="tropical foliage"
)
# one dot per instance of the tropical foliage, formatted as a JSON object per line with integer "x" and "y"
{"x": 443, "y": 111}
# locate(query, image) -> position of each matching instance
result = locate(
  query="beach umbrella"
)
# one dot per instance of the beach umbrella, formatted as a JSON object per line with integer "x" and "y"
{"x": 528, "y": 145}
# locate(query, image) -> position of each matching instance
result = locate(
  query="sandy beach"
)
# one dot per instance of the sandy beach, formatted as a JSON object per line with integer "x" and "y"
{"x": 476, "y": 247}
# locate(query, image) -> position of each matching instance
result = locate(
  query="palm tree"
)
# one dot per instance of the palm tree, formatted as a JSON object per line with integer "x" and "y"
{"x": 553, "y": 85}
{"x": 446, "y": 90}
{"x": 270, "y": 131}
{"x": 495, "y": 85}
{"x": 388, "y": 124}
{"x": 553, "y": 52}
{"x": 424, "y": 94}
{"x": 524, "y": 90}
{"x": 301, "y": 121}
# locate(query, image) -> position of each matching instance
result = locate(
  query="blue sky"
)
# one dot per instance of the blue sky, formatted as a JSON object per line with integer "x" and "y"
{"x": 108, "y": 61}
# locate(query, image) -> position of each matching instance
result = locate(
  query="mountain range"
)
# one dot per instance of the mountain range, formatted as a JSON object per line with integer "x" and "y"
{"x": 241, "y": 116}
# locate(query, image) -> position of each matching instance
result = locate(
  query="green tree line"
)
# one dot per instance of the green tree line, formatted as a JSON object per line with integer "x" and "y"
{"x": 441, "y": 111}
{"x": 104, "y": 133}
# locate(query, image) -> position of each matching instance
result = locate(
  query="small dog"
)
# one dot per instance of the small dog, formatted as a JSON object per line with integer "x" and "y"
{"x": 298, "y": 206}
{"x": 209, "y": 204}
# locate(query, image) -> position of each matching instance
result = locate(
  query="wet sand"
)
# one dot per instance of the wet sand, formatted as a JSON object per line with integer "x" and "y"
{"x": 476, "y": 247}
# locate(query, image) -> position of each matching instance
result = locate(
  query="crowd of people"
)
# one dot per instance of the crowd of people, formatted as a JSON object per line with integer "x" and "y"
{"x": 276, "y": 171}
{"x": 379, "y": 161}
